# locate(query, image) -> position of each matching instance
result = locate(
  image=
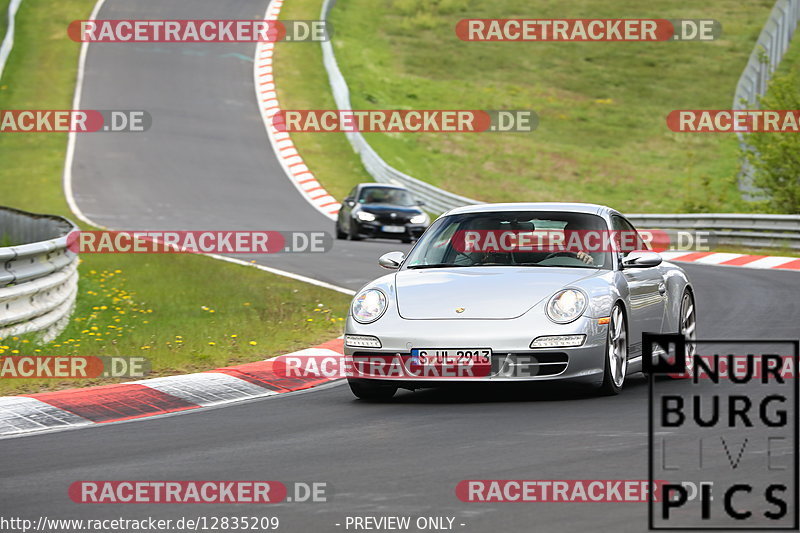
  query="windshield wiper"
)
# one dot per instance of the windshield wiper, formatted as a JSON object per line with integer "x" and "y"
{"x": 434, "y": 265}
{"x": 451, "y": 265}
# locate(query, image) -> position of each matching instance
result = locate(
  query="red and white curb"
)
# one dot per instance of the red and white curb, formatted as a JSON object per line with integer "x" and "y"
{"x": 48, "y": 411}
{"x": 735, "y": 260}
{"x": 285, "y": 151}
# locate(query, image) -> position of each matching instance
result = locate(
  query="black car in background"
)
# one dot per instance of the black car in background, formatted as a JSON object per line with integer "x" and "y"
{"x": 381, "y": 211}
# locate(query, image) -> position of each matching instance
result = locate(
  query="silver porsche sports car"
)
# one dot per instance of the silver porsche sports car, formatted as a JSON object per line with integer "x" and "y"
{"x": 515, "y": 292}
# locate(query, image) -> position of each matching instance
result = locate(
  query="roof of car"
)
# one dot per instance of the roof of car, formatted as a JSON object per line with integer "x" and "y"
{"x": 594, "y": 209}
{"x": 382, "y": 185}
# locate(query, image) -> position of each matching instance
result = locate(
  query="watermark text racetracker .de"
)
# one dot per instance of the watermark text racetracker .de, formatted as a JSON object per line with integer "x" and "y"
{"x": 406, "y": 120}
{"x": 203, "y": 242}
{"x": 198, "y": 31}
{"x": 420, "y": 366}
{"x": 734, "y": 120}
{"x": 588, "y": 30}
{"x": 197, "y": 492}
{"x": 73, "y": 367}
{"x": 589, "y": 241}
{"x": 555, "y": 490}
{"x": 78, "y": 121}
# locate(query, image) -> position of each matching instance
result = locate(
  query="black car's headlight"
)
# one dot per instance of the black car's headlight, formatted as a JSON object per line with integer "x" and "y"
{"x": 368, "y": 306}
{"x": 566, "y": 306}
{"x": 420, "y": 219}
{"x": 365, "y": 217}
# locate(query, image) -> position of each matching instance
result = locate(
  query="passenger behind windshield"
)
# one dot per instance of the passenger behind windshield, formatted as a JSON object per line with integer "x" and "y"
{"x": 524, "y": 238}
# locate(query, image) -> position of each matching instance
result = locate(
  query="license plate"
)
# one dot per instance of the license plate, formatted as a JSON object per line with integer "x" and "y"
{"x": 394, "y": 229}
{"x": 452, "y": 356}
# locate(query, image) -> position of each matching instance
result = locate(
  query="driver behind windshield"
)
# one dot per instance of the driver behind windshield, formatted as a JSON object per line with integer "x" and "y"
{"x": 385, "y": 195}
{"x": 513, "y": 239}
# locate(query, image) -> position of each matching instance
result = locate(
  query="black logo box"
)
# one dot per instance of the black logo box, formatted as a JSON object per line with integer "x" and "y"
{"x": 678, "y": 366}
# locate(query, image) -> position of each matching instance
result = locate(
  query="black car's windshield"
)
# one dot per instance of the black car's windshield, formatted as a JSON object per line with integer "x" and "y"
{"x": 386, "y": 195}
{"x": 518, "y": 238}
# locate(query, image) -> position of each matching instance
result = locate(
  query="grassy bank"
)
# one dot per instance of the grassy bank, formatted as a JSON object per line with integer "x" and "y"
{"x": 3, "y": 18}
{"x": 302, "y": 83}
{"x": 184, "y": 313}
{"x": 602, "y": 135}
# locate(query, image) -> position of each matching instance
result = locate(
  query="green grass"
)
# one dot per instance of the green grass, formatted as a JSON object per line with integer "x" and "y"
{"x": 602, "y": 135}
{"x": 777, "y": 168}
{"x": 169, "y": 308}
{"x": 3, "y": 18}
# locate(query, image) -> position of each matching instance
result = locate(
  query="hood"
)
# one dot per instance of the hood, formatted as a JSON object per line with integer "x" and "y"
{"x": 378, "y": 209}
{"x": 484, "y": 292}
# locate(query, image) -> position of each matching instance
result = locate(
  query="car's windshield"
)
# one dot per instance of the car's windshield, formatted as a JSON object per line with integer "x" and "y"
{"x": 517, "y": 238}
{"x": 386, "y": 195}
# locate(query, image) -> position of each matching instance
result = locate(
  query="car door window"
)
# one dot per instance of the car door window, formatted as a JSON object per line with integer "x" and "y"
{"x": 626, "y": 237}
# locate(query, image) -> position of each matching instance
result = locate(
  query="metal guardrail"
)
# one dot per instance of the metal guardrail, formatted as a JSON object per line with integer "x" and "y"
{"x": 38, "y": 277}
{"x": 772, "y": 43}
{"x": 436, "y": 200}
{"x": 732, "y": 229}
{"x": 754, "y": 231}
{"x": 767, "y": 54}
{"x": 8, "y": 39}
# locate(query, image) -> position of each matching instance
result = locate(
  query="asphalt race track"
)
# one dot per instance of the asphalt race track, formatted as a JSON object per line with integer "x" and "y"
{"x": 207, "y": 164}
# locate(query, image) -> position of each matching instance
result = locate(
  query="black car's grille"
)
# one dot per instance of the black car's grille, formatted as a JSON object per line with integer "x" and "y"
{"x": 386, "y": 218}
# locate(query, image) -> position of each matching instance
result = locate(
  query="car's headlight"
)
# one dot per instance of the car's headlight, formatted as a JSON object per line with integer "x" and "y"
{"x": 368, "y": 306}
{"x": 566, "y": 306}
{"x": 364, "y": 216}
{"x": 420, "y": 219}
{"x": 362, "y": 341}
{"x": 558, "y": 341}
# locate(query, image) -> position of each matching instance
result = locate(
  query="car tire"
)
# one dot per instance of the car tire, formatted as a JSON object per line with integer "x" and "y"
{"x": 339, "y": 233}
{"x": 407, "y": 240}
{"x": 352, "y": 234}
{"x": 615, "y": 364}
{"x": 366, "y": 390}
{"x": 687, "y": 326}
{"x": 687, "y": 322}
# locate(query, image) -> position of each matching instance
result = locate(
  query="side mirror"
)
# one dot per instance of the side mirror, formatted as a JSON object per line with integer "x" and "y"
{"x": 641, "y": 259}
{"x": 392, "y": 260}
{"x": 420, "y": 203}
{"x": 349, "y": 202}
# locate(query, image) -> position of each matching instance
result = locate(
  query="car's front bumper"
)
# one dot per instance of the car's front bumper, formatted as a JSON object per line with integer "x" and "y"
{"x": 375, "y": 230}
{"x": 509, "y": 340}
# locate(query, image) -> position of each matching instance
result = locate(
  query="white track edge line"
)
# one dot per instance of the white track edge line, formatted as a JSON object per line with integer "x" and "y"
{"x": 76, "y": 105}
{"x": 73, "y": 205}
